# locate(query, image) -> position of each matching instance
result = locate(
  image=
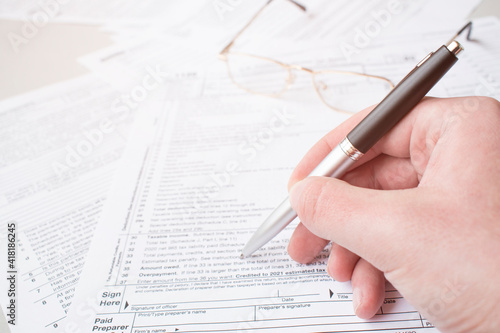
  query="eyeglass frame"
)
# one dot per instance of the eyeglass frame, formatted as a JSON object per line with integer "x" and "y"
{"x": 223, "y": 55}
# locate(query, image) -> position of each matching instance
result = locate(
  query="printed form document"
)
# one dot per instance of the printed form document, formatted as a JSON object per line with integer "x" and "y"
{"x": 57, "y": 213}
{"x": 200, "y": 176}
{"x": 59, "y": 151}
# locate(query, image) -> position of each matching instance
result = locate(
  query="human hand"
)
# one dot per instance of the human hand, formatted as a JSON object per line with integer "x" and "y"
{"x": 420, "y": 209}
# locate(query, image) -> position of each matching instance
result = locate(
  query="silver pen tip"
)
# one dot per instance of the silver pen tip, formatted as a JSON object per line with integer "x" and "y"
{"x": 242, "y": 256}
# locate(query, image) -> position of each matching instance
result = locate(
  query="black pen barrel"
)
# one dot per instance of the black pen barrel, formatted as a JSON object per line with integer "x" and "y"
{"x": 402, "y": 99}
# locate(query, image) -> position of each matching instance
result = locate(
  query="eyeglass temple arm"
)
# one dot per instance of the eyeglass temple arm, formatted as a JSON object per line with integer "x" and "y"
{"x": 228, "y": 46}
{"x": 467, "y": 27}
{"x": 302, "y": 7}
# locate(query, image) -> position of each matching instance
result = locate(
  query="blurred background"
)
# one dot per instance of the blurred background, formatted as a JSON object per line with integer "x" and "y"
{"x": 49, "y": 53}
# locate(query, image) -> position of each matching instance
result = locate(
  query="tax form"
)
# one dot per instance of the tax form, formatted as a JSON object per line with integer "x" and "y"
{"x": 201, "y": 174}
{"x": 59, "y": 150}
{"x": 200, "y": 177}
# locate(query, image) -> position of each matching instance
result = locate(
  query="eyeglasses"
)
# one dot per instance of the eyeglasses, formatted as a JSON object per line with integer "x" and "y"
{"x": 342, "y": 91}
{"x": 467, "y": 27}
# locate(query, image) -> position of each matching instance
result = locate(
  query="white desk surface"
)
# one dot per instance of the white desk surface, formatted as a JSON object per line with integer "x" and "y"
{"x": 50, "y": 56}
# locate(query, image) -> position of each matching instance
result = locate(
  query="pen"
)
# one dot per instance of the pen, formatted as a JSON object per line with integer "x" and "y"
{"x": 407, "y": 93}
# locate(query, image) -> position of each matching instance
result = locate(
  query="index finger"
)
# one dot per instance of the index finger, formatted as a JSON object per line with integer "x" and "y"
{"x": 395, "y": 143}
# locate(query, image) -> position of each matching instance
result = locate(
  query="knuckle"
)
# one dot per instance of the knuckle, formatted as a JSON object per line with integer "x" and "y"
{"x": 489, "y": 108}
{"x": 489, "y": 102}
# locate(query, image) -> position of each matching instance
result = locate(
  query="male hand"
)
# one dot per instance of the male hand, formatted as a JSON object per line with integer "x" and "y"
{"x": 420, "y": 209}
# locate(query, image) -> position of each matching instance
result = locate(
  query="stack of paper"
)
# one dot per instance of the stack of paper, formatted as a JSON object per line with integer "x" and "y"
{"x": 196, "y": 164}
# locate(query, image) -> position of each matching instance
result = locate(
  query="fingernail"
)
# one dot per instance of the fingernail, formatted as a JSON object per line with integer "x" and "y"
{"x": 329, "y": 264}
{"x": 357, "y": 299}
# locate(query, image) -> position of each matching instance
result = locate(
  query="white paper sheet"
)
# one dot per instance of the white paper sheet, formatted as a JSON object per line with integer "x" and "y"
{"x": 59, "y": 150}
{"x": 38, "y": 13}
{"x": 194, "y": 73}
{"x": 31, "y": 193}
{"x": 192, "y": 193}
{"x": 200, "y": 176}
{"x": 280, "y": 29}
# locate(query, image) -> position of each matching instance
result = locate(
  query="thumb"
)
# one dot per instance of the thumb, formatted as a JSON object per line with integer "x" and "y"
{"x": 378, "y": 225}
